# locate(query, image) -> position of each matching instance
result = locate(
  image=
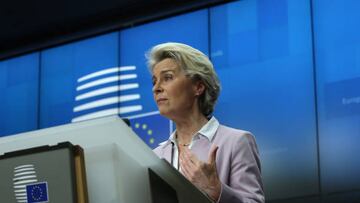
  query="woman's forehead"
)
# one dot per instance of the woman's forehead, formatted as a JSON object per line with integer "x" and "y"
{"x": 165, "y": 65}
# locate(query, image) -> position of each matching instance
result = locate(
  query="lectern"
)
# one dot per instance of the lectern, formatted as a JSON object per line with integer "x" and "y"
{"x": 36, "y": 174}
{"x": 120, "y": 167}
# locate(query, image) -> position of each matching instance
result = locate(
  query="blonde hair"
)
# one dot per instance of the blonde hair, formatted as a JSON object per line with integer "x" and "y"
{"x": 196, "y": 66}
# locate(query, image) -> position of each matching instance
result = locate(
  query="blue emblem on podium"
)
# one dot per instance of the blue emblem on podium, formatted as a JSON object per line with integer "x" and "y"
{"x": 37, "y": 192}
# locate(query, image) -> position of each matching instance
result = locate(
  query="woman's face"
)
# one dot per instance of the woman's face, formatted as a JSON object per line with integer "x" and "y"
{"x": 174, "y": 93}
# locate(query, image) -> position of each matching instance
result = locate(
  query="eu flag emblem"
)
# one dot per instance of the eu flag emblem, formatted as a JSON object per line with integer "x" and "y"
{"x": 37, "y": 192}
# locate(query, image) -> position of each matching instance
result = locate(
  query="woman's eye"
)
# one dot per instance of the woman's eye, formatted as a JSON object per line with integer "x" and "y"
{"x": 168, "y": 77}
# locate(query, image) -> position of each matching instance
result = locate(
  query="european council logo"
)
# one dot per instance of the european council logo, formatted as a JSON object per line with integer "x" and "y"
{"x": 97, "y": 95}
{"x": 23, "y": 175}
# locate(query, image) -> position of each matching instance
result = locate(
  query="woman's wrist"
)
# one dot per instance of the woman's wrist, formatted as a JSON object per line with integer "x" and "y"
{"x": 215, "y": 191}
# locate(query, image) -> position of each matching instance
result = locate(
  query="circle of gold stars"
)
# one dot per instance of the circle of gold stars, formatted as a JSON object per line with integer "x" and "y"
{"x": 36, "y": 188}
{"x": 148, "y": 131}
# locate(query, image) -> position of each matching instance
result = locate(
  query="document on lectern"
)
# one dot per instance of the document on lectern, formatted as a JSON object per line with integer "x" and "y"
{"x": 43, "y": 174}
{"x": 119, "y": 166}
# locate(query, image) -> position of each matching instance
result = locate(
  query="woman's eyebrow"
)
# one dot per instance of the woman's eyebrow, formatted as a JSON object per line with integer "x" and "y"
{"x": 166, "y": 70}
{"x": 162, "y": 73}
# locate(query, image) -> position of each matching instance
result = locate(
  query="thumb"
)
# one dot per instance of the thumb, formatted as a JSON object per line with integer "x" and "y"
{"x": 212, "y": 154}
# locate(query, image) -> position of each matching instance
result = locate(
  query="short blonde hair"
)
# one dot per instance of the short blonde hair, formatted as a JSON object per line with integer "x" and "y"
{"x": 196, "y": 66}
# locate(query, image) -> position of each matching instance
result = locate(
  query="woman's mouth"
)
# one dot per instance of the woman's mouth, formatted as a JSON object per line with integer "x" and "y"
{"x": 161, "y": 100}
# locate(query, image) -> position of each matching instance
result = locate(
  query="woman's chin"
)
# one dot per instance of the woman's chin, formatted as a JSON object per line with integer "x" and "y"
{"x": 165, "y": 112}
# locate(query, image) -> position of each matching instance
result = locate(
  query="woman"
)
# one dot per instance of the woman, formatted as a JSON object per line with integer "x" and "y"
{"x": 221, "y": 161}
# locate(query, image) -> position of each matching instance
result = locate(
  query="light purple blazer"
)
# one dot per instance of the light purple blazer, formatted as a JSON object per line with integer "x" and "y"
{"x": 237, "y": 163}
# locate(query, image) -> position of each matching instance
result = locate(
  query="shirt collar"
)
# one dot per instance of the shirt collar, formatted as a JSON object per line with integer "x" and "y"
{"x": 208, "y": 131}
{"x": 210, "y": 128}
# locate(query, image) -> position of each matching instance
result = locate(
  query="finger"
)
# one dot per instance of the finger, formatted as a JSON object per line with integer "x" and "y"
{"x": 190, "y": 156}
{"x": 187, "y": 151}
{"x": 185, "y": 168}
{"x": 212, "y": 154}
{"x": 187, "y": 159}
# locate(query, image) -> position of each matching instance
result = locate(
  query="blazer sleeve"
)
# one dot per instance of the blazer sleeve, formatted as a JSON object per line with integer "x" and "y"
{"x": 245, "y": 184}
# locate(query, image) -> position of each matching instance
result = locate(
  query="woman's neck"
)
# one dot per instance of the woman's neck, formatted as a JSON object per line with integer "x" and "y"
{"x": 186, "y": 128}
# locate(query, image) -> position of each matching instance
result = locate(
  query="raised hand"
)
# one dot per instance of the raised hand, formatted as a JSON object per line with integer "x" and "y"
{"x": 202, "y": 174}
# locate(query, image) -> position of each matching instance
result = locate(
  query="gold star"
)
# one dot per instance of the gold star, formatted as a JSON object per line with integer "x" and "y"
{"x": 149, "y": 132}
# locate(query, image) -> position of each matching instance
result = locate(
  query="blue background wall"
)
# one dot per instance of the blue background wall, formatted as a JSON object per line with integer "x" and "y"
{"x": 337, "y": 54}
{"x": 290, "y": 72}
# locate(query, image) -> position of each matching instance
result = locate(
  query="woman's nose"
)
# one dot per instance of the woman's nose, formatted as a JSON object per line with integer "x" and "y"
{"x": 157, "y": 88}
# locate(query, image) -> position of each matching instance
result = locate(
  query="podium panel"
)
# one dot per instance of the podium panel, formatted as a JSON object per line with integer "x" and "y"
{"x": 117, "y": 161}
{"x": 42, "y": 174}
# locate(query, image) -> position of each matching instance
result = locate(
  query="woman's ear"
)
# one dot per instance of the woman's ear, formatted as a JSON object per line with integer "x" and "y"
{"x": 199, "y": 88}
